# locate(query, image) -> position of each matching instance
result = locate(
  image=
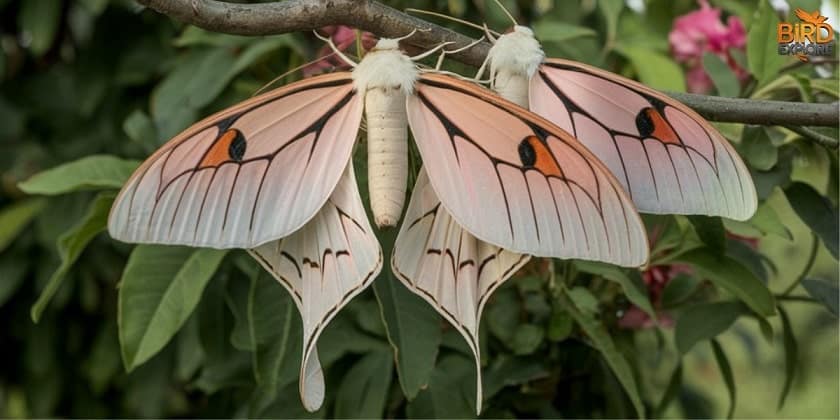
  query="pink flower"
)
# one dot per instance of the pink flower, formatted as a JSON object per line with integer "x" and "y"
{"x": 343, "y": 37}
{"x": 702, "y": 31}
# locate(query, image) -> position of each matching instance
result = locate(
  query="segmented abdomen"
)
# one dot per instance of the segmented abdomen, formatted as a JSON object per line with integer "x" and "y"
{"x": 387, "y": 138}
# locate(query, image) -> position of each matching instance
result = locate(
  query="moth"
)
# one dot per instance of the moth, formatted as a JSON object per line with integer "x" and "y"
{"x": 273, "y": 175}
{"x": 665, "y": 155}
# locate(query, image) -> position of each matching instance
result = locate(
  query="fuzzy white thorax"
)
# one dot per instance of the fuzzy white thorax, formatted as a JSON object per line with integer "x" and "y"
{"x": 516, "y": 52}
{"x": 386, "y": 67}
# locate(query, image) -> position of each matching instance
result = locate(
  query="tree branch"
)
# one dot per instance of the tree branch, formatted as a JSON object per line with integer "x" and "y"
{"x": 372, "y": 16}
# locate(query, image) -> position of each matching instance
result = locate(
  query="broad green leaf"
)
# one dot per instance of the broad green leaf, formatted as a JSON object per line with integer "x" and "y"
{"x": 506, "y": 370}
{"x": 705, "y": 321}
{"x": 749, "y": 257}
{"x": 194, "y": 36}
{"x": 526, "y": 339}
{"x": 673, "y": 389}
{"x": 96, "y": 172}
{"x": 159, "y": 289}
{"x": 71, "y": 244}
{"x": 96, "y": 7}
{"x": 729, "y": 274}
{"x": 630, "y": 281}
{"x": 601, "y": 340}
{"x": 791, "y": 356}
{"x": 823, "y": 291}
{"x": 611, "y": 10}
{"x": 768, "y": 222}
{"x": 189, "y": 355}
{"x": 559, "y": 325}
{"x": 758, "y": 149}
{"x": 711, "y": 232}
{"x": 762, "y": 49}
{"x": 140, "y": 128}
{"x": 584, "y": 300}
{"x": 726, "y": 372}
{"x": 817, "y": 212}
{"x": 680, "y": 288}
{"x": 364, "y": 389}
{"x": 451, "y": 391}
{"x": 16, "y": 217}
{"x": 654, "y": 69}
{"x": 413, "y": 326}
{"x": 38, "y": 21}
{"x": 555, "y": 31}
{"x": 198, "y": 79}
{"x": 502, "y": 315}
{"x": 722, "y": 76}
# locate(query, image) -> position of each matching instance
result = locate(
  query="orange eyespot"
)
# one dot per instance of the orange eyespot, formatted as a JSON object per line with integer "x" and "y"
{"x": 651, "y": 123}
{"x": 230, "y": 146}
{"x": 535, "y": 154}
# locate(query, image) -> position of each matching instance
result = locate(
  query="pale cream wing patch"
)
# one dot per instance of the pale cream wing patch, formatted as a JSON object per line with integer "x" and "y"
{"x": 448, "y": 267}
{"x": 323, "y": 265}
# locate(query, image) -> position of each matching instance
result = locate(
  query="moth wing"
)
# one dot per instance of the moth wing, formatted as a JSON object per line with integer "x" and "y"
{"x": 667, "y": 157}
{"x": 448, "y": 267}
{"x": 334, "y": 257}
{"x": 513, "y": 179}
{"x": 247, "y": 175}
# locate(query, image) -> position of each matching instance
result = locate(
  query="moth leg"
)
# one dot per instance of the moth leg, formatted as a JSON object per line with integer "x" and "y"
{"x": 456, "y": 51}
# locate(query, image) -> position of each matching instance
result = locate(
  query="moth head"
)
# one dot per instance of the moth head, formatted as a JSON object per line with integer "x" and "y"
{"x": 516, "y": 51}
{"x": 386, "y": 44}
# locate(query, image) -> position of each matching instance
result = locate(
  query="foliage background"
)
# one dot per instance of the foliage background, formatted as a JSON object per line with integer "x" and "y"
{"x": 128, "y": 331}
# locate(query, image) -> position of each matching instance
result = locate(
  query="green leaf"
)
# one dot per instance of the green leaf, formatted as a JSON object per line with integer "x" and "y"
{"x": 823, "y": 291}
{"x": 726, "y": 372}
{"x": 654, "y": 69}
{"x": 731, "y": 275}
{"x": 159, "y": 289}
{"x": 762, "y": 49}
{"x": 506, "y": 370}
{"x": 451, "y": 391}
{"x": 140, "y": 128}
{"x": 680, "y": 288}
{"x": 71, "y": 244}
{"x": 16, "y": 217}
{"x": 817, "y": 212}
{"x": 555, "y": 31}
{"x": 791, "y": 356}
{"x": 711, "y": 232}
{"x": 601, "y": 340}
{"x": 722, "y": 76}
{"x": 527, "y": 339}
{"x": 364, "y": 389}
{"x": 611, "y": 9}
{"x": 559, "y": 325}
{"x": 630, "y": 281}
{"x": 413, "y": 327}
{"x": 705, "y": 321}
{"x": 89, "y": 173}
{"x": 673, "y": 389}
{"x": 758, "y": 149}
{"x": 38, "y": 21}
{"x": 767, "y": 221}
{"x": 584, "y": 300}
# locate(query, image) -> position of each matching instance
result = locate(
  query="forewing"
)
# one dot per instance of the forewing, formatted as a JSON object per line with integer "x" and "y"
{"x": 514, "y": 180}
{"x": 448, "y": 267}
{"x": 246, "y": 175}
{"x": 668, "y": 158}
{"x": 323, "y": 265}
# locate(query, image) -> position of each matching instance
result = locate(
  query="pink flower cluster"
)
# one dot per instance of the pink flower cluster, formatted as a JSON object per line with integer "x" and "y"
{"x": 343, "y": 37}
{"x": 702, "y": 31}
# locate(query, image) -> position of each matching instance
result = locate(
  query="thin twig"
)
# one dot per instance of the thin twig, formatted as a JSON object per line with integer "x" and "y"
{"x": 820, "y": 138}
{"x": 370, "y": 15}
